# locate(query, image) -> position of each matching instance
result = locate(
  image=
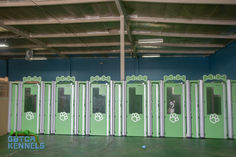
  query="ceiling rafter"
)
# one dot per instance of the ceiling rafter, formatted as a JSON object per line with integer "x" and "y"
{"x": 27, "y": 36}
{"x": 65, "y": 35}
{"x": 47, "y": 2}
{"x": 52, "y": 48}
{"x": 139, "y": 51}
{"x": 67, "y": 20}
{"x": 225, "y": 2}
{"x": 114, "y": 52}
{"x": 183, "y": 35}
{"x": 9, "y": 36}
{"x": 116, "y": 19}
{"x": 145, "y": 33}
{"x": 182, "y": 21}
{"x": 186, "y": 45}
{"x": 63, "y": 2}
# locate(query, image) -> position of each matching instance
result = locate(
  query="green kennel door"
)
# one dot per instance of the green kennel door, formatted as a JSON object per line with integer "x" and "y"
{"x": 136, "y": 95}
{"x": 64, "y": 105}
{"x": 174, "y": 106}
{"x": 215, "y": 106}
{"x": 99, "y": 106}
{"x": 30, "y": 116}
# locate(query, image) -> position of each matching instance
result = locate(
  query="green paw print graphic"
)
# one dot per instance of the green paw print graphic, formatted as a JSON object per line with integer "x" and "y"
{"x": 174, "y": 118}
{"x": 63, "y": 116}
{"x": 135, "y": 117}
{"x": 214, "y": 118}
{"x": 29, "y": 115}
{"x": 98, "y": 116}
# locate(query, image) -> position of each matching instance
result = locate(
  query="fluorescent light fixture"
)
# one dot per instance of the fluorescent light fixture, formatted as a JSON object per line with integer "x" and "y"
{"x": 150, "y": 41}
{"x": 38, "y": 58}
{"x": 150, "y": 47}
{"x": 92, "y": 17}
{"x": 151, "y": 56}
{"x": 3, "y": 29}
{"x": 3, "y": 45}
{"x": 39, "y": 48}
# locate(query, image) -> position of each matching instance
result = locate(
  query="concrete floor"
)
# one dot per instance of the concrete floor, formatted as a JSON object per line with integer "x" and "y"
{"x": 79, "y": 146}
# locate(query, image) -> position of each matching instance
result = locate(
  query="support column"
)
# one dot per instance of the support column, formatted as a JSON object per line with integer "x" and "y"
{"x": 122, "y": 48}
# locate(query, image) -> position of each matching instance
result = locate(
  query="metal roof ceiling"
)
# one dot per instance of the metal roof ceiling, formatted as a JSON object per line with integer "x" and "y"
{"x": 92, "y": 27}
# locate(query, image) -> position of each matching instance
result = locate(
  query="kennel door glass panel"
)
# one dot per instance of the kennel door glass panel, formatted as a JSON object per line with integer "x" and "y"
{"x": 30, "y": 107}
{"x": 136, "y": 109}
{"x": 64, "y": 109}
{"x": 174, "y": 106}
{"x": 99, "y": 109}
{"x": 214, "y": 101}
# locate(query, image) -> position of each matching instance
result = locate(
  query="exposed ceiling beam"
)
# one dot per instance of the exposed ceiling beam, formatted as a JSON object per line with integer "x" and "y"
{"x": 182, "y": 21}
{"x": 68, "y": 20}
{"x": 63, "y": 2}
{"x": 183, "y": 35}
{"x": 12, "y": 54}
{"x": 146, "y": 33}
{"x": 87, "y": 44}
{"x": 122, "y": 11}
{"x": 114, "y": 52}
{"x": 27, "y": 36}
{"x": 134, "y": 18}
{"x": 224, "y": 2}
{"x": 139, "y": 51}
{"x": 186, "y": 45}
{"x": 69, "y": 45}
{"x": 46, "y": 2}
{"x": 9, "y": 36}
{"x": 177, "y": 51}
{"x": 66, "y": 35}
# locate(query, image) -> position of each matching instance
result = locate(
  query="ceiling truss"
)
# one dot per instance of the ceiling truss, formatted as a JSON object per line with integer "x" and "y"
{"x": 39, "y": 40}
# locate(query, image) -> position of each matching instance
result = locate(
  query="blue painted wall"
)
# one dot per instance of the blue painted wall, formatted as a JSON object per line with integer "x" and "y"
{"x": 224, "y": 61}
{"x": 3, "y": 68}
{"x": 47, "y": 69}
{"x": 82, "y": 69}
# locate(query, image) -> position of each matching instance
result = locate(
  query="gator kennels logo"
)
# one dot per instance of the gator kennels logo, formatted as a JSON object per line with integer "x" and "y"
{"x": 24, "y": 140}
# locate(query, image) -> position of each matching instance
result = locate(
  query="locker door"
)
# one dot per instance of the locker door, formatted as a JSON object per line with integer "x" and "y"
{"x": 136, "y": 109}
{"x": 214, "y": 110}
{"x": 174, "y": 109}
{"x": 30, "y": 107}
{"x": 99, "y": 109}
{"x": 64, "y": 109}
